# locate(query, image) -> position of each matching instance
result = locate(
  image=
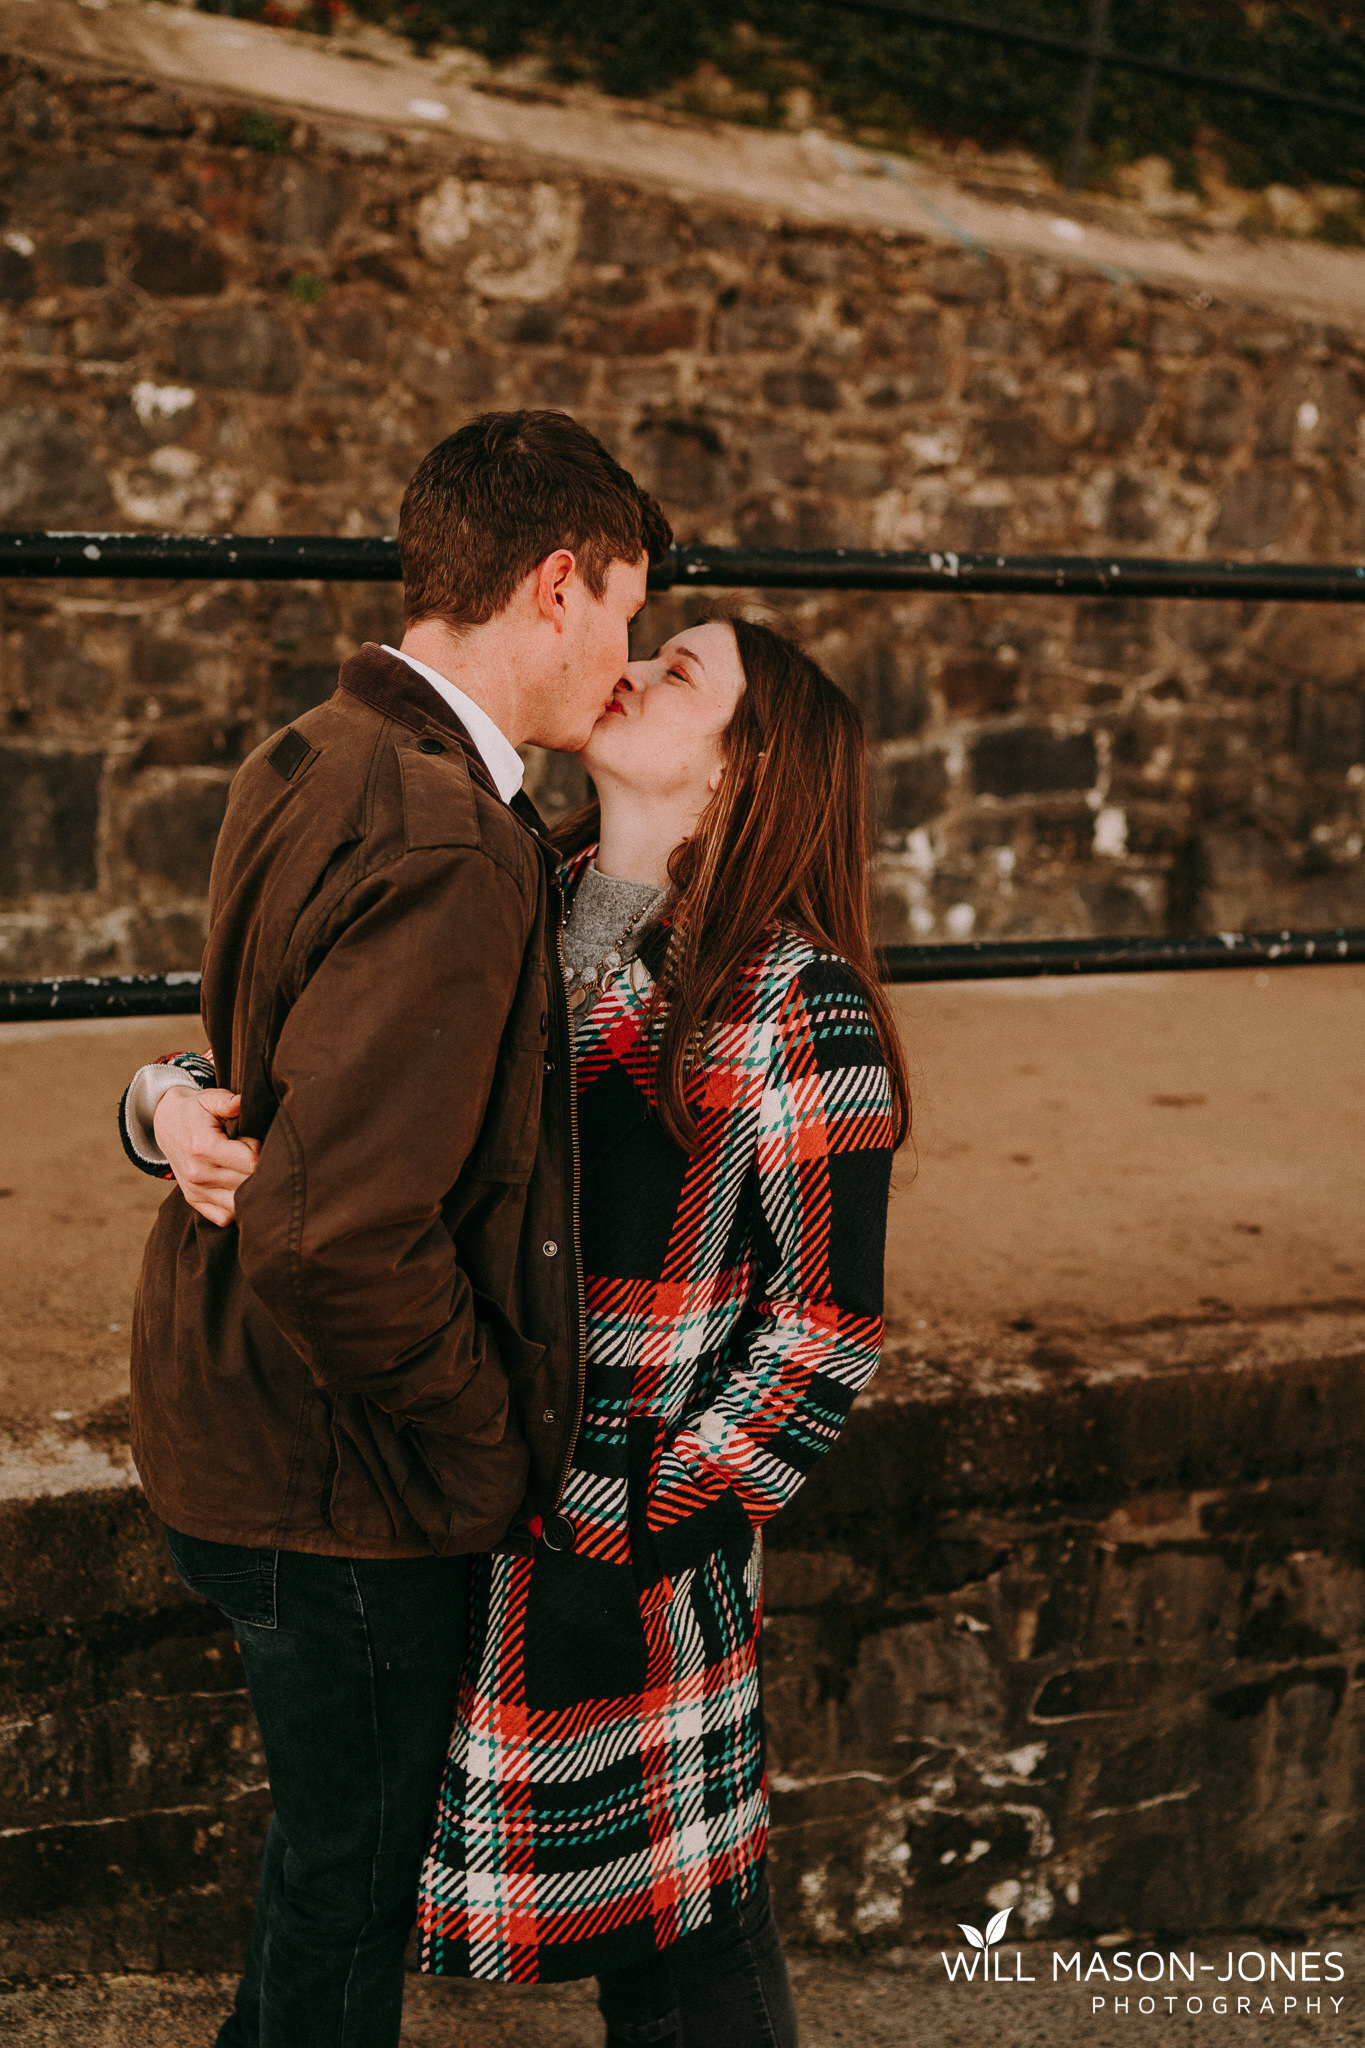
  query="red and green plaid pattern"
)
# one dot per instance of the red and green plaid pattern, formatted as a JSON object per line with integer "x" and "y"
{"x": 605, "y": 1791}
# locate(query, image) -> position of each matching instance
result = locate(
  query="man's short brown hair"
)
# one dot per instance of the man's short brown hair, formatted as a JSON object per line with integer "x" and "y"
{"x": 496, "y": 497}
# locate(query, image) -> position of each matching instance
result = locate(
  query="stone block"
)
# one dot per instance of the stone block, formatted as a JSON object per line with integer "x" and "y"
{"x": 753, "y": 326}
{"x": 60, "y": 676}
{"x": 1174, "y": 333}
{"x": 913, "y": 790}
{"x": 241, "y": 348}
{"x": 81, "y": 262}
{"x": 50, "y": 476}
{"x": 1316, "y": 642}
{"x": 159, "y": 113}
{"x": 452, "y": 377}
{"x": 790, "y": 523}
{"x": 617, "y": 228}
{"x": 18, "y": 279}
{"x": 1018, "y": 443}
{"x": 813, "y": 389}
{"x": 203, "y": 742}
{"x": 157, "y": 1890}
{"x": 911, "y": 345}
{"x": 352, "y": 329}
{"x": 649, "y": 333}
{"x": 94, "y": 184}
{"x": 49, "y": 821}
{"x": 1214, "y": 416}
{"x": 962, "y": 277}
{"x": 1027, "y": 760}
{"x": 1131, "y": 513}
{"x": 1122, "y": 403}
{"x": 1113, "y": 633}
{"x": 172, "y": 827}
{"x": 774, "y": 457}
{"x": 682, "y": 461}
{"x": 169, "y": 940}
{"x": 854, "y": 474}
{"x": 303, "y": 205}
{"x": 1254, "y": 510}
{"x": 979, "y": 685}
{"x": 529, "y": 326}
{"x": 169, "y": 263}
{"x": 1327, "y": 728}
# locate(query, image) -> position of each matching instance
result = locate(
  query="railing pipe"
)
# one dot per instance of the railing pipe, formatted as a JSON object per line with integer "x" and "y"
{"x": 321, "y": 558}
{"x": 67, "y": 998}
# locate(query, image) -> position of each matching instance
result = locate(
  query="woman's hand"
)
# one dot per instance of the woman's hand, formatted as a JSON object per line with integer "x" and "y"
{"x": 191, "y": 1128}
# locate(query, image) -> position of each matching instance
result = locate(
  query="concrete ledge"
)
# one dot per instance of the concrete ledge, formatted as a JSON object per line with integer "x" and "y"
{"x": 1082, "y": 1635}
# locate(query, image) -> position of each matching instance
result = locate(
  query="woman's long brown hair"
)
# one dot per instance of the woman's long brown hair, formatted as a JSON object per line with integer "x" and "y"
{"x": 784, "y": 839}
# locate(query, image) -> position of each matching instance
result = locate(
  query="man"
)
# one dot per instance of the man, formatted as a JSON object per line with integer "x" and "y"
{"x": 377, "y": 1370}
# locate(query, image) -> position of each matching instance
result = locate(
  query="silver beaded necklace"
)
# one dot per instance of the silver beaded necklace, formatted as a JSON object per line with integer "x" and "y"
{"x": 588, "y": 982}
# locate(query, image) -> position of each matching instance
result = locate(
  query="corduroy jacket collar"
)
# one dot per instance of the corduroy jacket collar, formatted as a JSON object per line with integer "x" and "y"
{"x": 394, "y": 689}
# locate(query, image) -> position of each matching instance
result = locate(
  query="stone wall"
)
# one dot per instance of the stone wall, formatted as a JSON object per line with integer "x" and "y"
{"x": 1077, "y": 1631}
{"x": 211, "y": 320}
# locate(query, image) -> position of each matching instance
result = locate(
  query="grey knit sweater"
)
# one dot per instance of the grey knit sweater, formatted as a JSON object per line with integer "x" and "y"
{"x": 604, "y": 909}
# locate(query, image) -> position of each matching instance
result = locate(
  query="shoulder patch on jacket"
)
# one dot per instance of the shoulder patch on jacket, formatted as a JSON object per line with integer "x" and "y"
{"x": 439, "y": 804}
{"x": 291, "y": 754}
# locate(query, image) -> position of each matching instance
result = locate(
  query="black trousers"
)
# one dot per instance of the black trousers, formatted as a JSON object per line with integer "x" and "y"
{"x": 722, "y": 1987}
{"x": 352, "y": 1668}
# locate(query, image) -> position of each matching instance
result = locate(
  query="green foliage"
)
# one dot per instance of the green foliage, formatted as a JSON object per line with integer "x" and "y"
{"x": 306, "y": 289}
{"x": 262, "y": 131}
{"x": 887, "y": 80}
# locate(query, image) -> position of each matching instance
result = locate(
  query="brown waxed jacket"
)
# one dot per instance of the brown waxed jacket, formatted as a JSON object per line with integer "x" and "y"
{"x": 382, "y": 1356}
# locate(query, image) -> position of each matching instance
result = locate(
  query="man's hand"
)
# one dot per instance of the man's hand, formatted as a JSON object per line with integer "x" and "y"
{"x": 190, "y": 1125}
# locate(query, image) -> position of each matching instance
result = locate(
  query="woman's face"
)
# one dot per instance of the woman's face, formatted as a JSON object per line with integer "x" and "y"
{"x": 662, "y": 734}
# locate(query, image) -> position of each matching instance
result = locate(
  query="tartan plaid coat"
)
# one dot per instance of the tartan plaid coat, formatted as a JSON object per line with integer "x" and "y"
{"x": 605, "y": 1790}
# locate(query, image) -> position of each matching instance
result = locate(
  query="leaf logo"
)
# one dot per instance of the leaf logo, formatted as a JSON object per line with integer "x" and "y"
{"x": 995, "y": 1928}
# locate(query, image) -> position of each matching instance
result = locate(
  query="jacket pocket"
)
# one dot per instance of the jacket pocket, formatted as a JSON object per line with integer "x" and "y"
{"x": 239, "y": 1581}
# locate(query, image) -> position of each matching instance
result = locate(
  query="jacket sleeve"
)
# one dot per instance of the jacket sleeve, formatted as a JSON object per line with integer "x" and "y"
{"x": 137, "y": 1110}
{"x": 382, "y": 1073}
{"x": 823, "y": 1170}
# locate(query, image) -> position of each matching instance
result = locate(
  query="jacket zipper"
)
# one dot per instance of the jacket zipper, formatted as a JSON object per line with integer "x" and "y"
{"x": 574, "y": 1225}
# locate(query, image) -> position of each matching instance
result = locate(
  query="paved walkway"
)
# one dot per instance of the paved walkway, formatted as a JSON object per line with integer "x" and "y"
{"x": 1110, "y": 1151}
{"x": 904, "y": 2003}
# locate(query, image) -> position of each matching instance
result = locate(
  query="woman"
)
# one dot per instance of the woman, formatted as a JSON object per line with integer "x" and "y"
{"x": 740, "y": 1093}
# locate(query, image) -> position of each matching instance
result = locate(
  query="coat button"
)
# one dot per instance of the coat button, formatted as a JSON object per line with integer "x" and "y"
{"x": 548, "y": 1416}
{"x": 550, "y": 1248}
{"x": 427, "y": 745}
{"x": 549, "y": 1066}
{"x": 557, "y": 1532}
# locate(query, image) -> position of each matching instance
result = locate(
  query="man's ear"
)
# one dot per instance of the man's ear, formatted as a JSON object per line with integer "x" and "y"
{"x": 553, "y": 579}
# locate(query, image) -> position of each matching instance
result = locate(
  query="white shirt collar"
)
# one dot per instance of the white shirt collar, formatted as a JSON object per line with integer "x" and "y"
{"x": 496, "y": 751}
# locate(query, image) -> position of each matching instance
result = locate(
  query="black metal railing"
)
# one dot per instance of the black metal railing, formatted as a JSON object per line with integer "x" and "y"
{"x": 67, "y": 997}
{"x": 256, "y": 558}
{"x": 320, "y": 558}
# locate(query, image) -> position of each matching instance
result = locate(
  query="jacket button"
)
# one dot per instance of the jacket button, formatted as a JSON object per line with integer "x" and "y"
{"x": 548, "y": 1416}
{"x": 550, "y": 1248}
{"x": 549, "y": 1066}
{"x": 557, "y": 1532}
{"x": 427, "y": 745}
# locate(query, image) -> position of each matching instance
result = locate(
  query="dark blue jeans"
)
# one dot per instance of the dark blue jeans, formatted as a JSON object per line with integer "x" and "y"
{"x": 723, "y": 1987}
{"x": 352, "y": 1668}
